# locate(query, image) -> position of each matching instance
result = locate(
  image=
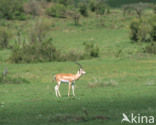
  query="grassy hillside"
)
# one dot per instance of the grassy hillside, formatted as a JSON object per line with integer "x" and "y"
{"x": 121, "y": 80}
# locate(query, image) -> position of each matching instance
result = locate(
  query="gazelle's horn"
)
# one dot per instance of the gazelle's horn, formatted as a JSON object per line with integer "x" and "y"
{"x": 78, "y": 64}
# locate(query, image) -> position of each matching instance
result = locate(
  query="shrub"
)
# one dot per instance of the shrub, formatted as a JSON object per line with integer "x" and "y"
{"x": 32, "y": 7}
{"x": 4, "y": 38}
{"x": 6, "y": 79}
{"x": 35, "y": 52}
{"x": 11, "y": 9}
{"x": 83, "y": 9}
{"x": 57, "y": 10}
{"x": 72, "y": 55}
{"x": 154, "y": 32}
{"x": 100, "y": 8}
{"x": 138, "y": 8}
{"x": 140, "y": 31}
{"x": 150, "y": 48}
{"x": 127, "y": 9}
{"x": 143, "y": 30}
{"x": 39, "y": 48}
{"x": 75, "y": 16}
{"x": 134, "y": 27}
{"x": 91, "y": 50}
{"x": 46, "y": 51}
{"x": 92, "y": 5}
{"x": 154, "y": 9}
{"x": 153, "y": 24}
{"x": 66, "y": 2}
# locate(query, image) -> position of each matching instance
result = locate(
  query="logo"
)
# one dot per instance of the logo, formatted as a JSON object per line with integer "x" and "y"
{"x": 137, "y": 118}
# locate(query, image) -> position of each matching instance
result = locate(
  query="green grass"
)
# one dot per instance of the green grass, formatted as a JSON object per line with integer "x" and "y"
{"x": 125, "y": 80}
{"x": 35, "y": 102}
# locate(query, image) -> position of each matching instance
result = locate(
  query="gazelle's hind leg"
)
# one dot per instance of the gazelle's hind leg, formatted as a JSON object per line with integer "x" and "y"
{"x": 69, "y": 88}
{"x": 58, "y": 88}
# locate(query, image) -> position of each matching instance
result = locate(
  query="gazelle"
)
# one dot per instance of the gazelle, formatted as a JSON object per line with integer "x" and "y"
{"x": 68, "y": 78}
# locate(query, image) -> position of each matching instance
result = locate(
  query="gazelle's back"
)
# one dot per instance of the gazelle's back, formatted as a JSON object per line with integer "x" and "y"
{"x": 64, "y": 76}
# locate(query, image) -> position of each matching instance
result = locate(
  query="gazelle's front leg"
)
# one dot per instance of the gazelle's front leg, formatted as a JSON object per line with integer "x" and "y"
{"x": 69, "y": 88}
{"x": 73, "y": 87}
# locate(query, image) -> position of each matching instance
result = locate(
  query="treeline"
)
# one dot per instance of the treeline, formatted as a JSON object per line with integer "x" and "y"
{"x": 22, "y": 10}
{"x": 120, "y": 3}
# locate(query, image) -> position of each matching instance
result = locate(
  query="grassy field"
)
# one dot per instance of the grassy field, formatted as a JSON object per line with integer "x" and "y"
{"x": 117, "y": 82}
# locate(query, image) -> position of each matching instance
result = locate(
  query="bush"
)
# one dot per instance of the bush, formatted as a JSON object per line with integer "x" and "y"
{"x": 35, "y": 52}
{"x": 46, "y": 51}
{"x": 138, "y": 8}
{"x": 154, "y": 9}
{"x": 150, "y": 48}
{"x": 91, "y": 50}
{"x": 92, "y": 5}
{"x": 83, "y": 9}
{"x": 39, "y": 48}
{"x": 11, "y": 9}
{"x": 32, "y": 7}
{"x": 66, "y": 2}
{"x": 6, "y": 79}
{"x": 140, "y": 31}
{"x": 144, "y": 32}
{"x": 57, "y": 10}
{"x": 153, "y": 24}
{"x": 4, "y": 38}
{"x": 72, "y": 55}
{"x": 75, "y": 16}
{"x": 100, "y": 8}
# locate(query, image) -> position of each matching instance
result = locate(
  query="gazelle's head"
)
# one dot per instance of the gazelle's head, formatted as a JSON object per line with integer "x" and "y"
{"x": 81, "y": 71}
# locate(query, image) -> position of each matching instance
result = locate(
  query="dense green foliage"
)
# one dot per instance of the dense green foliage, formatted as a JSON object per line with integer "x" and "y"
{"x": 83, "y": 8}
{"x": 91, "y": 50}
{"x": 35, "y": 52}
{"x": 120, "y": 3}
{"x": 92, "y": 5}
{"x": 143, "y": 30}
{"x": 45, "y": 51}
{"x": 151, "y": 48}
{"x": 11, "y": 9}
{"x": 5, "y": 36}
{"x": 57, "y": 10}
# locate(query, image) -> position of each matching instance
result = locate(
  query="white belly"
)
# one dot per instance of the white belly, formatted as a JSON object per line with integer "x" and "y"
{"x": 62, "y": 80}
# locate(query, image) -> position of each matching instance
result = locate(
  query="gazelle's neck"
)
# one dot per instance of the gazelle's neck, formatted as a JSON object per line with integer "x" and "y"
{"x": 77, "y": 75}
